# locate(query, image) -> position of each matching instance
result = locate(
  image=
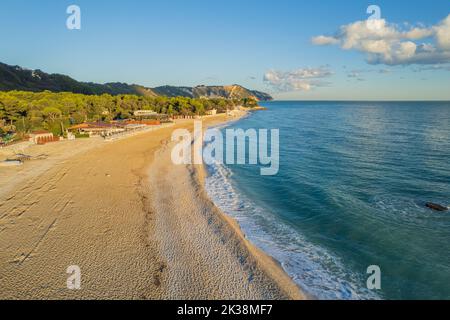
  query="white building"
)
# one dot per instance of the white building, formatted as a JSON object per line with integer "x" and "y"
{"x": 37, "y": 136}
{"x": 145, "y": 113}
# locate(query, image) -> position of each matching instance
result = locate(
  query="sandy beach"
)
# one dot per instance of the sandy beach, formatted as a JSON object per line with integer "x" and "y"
{"x": 138, "y": 226}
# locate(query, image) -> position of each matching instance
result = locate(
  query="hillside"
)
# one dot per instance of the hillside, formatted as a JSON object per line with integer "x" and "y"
{"x": 229, "y": 92}
{"x": 17, "y": 78}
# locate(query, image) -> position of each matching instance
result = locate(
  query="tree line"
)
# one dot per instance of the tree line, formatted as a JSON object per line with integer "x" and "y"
{"x": 22, "y": 112}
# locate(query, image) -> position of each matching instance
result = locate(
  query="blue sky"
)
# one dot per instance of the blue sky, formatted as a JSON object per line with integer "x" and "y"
{"x": 195, "y": 42}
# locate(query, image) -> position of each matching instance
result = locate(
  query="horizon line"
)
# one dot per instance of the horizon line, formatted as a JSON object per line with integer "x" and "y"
{"x": 349, "y": 100}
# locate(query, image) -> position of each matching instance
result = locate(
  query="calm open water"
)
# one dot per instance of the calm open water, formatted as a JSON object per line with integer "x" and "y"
{"x": 350, "y": 193}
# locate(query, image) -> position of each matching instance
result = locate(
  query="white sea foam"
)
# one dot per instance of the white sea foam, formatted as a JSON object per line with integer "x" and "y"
{"x": 315, "y": 269}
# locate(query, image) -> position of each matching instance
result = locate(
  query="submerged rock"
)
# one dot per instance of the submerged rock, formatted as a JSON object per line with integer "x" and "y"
{"x": 436, "y": 207}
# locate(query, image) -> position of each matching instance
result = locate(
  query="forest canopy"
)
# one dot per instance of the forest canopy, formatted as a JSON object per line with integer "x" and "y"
{"x": 22, "y": 112}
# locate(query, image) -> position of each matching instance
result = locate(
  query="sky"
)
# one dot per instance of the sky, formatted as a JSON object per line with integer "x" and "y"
{"x": 295, "y": 50}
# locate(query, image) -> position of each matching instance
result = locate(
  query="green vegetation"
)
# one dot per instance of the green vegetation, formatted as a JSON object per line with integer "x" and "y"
{"x": 17, "y": 78}
{"x": 22, "y": 112}
{"x": 81, "y": 136}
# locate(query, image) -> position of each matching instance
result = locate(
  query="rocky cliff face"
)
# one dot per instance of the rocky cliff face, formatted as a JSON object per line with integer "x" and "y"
{"x": 229, "y": 92}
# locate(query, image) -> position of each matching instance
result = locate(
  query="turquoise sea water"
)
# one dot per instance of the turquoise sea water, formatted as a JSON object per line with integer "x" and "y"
{"x": 353, "y": 181}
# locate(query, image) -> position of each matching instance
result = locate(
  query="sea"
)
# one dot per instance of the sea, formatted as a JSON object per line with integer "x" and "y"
{"x": 350, "y": 194}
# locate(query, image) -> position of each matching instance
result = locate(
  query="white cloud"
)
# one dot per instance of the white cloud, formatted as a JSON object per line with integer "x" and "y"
{"x": 386, "y": 43}
{"x": 297, "y": 80}
{"x": 434, "y": 67}
{"x": 418, "y": 33}
{"x": 324, "y": 40}
{"x": 443, "y": 34}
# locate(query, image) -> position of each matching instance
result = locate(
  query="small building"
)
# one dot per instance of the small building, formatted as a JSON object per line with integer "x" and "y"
{"x": 70, "y": 136}
{"x": 212, "y": 112}
{"x": 41, "y": 137}
{"x": 123, "y": 123}
{"x": 96, "y": 129}
{"x": 134, "y": 127}
{"x": 145, "y": 113}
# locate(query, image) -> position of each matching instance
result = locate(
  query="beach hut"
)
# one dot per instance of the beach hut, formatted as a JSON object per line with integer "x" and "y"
{"x": 40, "y": 137}
{"x": 96, "y": 128}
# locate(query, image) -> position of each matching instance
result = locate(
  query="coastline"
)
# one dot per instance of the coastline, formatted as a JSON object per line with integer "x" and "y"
{"x": 68, "y": 214}
{"x": 242, "y": 272}
{"x": 268, "y": 264}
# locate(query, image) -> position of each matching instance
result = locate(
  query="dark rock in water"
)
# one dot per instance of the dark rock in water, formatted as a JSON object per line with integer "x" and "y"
{"x": 436, "y": 207}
